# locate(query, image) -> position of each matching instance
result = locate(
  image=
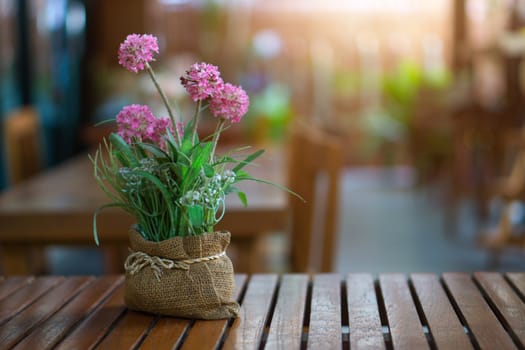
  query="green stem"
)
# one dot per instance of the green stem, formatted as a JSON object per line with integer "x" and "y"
{"x": 164, "y": 99}
{"x": 218, "y": 131}
{"x": 196, "y": 120}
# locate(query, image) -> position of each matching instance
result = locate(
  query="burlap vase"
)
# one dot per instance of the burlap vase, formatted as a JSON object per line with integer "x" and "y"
{"x": 189, "y": 277}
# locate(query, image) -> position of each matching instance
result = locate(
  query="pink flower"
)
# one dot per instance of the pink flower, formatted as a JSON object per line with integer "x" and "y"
{"x": 202, "y": 80}
{"x": 136, "y": 123}
{"x": 136, "y": 51}
{"x": 231, "y": 103}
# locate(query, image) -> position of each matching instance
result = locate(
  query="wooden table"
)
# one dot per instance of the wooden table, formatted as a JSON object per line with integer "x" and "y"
{"x": 57, "y": 208}
{"x": 328, "y": 311}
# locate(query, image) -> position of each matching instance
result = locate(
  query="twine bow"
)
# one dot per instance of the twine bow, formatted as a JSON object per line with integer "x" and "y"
{"x": 136, "y": 261}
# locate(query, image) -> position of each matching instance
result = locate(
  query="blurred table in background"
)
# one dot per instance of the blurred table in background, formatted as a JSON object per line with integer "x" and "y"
{"x": 56, "y": 208}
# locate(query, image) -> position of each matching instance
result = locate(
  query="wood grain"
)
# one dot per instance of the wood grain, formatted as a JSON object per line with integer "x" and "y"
{"x": 510, "y": 307}
{"x": 25, "y": 296}
{"x": 363, "y": 313}
{"x": 247, "y": 329}
{"x": 87, "y": 313}
{"x": 12, "y": 284}
{"x": 129, "y": 331}
{"x": 24, "y": 322}
{"x": 51, "y": 331}
{"x": 481, "y": 321}
{"x": 208, "y": 334}
{"x": 325, "y": 329}
{"x": 518, "y": 280}
{"x": 403, "y": 321}
{"x": 93, "y": 329}
{"x": 167, "y": 333}
{"x": 445, "y": 326}
{"x": 287, "y": 322}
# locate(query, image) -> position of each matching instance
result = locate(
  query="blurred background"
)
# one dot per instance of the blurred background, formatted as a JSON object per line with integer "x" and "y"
{"x": 426, "y": 98}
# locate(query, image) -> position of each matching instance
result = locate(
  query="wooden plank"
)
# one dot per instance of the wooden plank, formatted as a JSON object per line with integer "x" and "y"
{"x": 518, "y": 280}
{"x": 166, "y": 334}
{"x": 287, "y": 322}
{"x": 129, "y": 331}
{"x": 482, "y": 323}
{"x": 94, "y": 328}
{"x": 363, "y": 313}
{"x": 445, "y": 326}
{"x": 21, "y": 324}
{"x": 26, "y": 295}
{"x": 208, "y": 334}
{"x": 247, "y": 329}
{"x": 11, "y": 284}
{"x": 511, "y": 309}
{"x": 325, "y": 329}
{"x": 50, "y": 332}
{"x": 403, "y": 320}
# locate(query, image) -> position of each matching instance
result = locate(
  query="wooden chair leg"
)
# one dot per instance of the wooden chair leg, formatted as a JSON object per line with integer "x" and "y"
{"x": 38, "y": 260}
{"x": 113, "y": 260}
{"x": 245, "y": 254}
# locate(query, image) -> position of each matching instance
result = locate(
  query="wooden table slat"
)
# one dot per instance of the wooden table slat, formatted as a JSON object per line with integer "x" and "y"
{"x": 445, "y": 326}
{"x": 129, "y": 331}
{"x": 518, "y": 280}
{"x": 208, "y": 334}
{"x": 363, "y": 313}
{"x": 325, "y": 328}
{"x": 286, "y": 326}
{"x": 403, "y": 320}
{"x": 51, "y": 331}
{"x": 21, "y": 324}
{"x": 247, "y": 329}
{"x": 483, "y": 310}
{"x": 481, "y": 321}
{"x": 12, "y": 284}
{"x": 507, "y": 302}
{"x": 93, "y": 329}
{"x": 25, "y": 296}
{"x": 167, "y": 333}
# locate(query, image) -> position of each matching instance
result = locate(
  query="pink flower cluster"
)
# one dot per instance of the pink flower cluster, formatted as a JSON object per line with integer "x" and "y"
{"x": 136, "y": 51}
{"x": 230, "y": 103}
{"x": 136, "y": 123}
{"x": 203, "y": 81}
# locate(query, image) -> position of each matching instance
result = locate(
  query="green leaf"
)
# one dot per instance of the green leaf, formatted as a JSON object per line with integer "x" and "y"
{"x": 153, "y": 150}
{"x": 107, "y": 121}
{"x": 247, "y": 160}
{"x": 201, "y": 158}
{"x": 172, "y": 144}
{"x": 168, "y": 198}
{"x": 272, "y": 184}
{"x": 196, "y": 214}
{"x": 242, "y": 197}
{"x": 208, "y": 170}
{"x": 95, "y": 215}
{"x": 123, "y": 151}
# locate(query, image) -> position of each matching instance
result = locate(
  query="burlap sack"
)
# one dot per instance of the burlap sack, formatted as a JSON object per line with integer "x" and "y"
{"x": 200, "y": 290}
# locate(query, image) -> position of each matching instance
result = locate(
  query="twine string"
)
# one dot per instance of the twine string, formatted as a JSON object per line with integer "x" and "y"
{"x": 136, "y": 261}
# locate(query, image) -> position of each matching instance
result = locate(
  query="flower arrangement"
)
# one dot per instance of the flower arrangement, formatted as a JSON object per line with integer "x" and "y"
{"x": 157, "y": 168}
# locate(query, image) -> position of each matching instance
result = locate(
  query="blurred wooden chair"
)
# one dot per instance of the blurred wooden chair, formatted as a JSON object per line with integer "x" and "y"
{"x": 316, "y": 159}
{"x": 510, "y": 189}
{"x": 22, "y": 142}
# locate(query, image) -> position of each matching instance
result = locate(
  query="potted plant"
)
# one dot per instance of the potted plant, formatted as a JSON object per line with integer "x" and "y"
{"x": 174, "y": 185}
